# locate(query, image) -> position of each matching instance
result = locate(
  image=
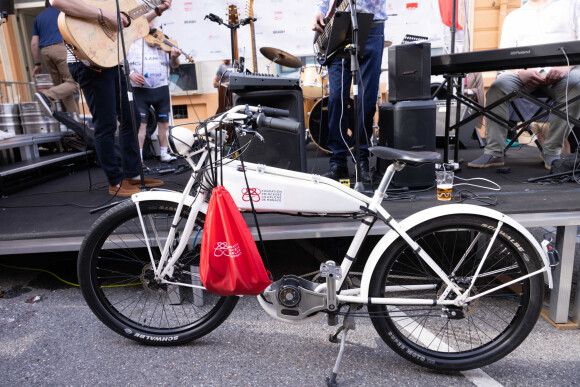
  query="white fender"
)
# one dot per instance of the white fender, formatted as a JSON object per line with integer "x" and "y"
{"x": 166, "y": 196}
{"x": 431, "y": 214}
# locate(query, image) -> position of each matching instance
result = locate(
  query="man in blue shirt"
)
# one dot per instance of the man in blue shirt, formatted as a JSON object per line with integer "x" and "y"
{"x": 340, "y": 80}
{"x": 47, "y": 41}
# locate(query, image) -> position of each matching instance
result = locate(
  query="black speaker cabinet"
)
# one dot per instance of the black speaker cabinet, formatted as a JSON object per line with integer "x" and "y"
{"x": 409, "y": 72}
{"x": 7, "y": 6}
{"x": 409, "y": 125}
{"x": 280, "y": 149}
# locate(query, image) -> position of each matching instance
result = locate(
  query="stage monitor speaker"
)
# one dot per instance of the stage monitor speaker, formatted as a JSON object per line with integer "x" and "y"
{"x": 409, "y": 125}
{"x": 7, "y": 6}
{"x": 279, "y": 149}
{"x": 409, "y": 72}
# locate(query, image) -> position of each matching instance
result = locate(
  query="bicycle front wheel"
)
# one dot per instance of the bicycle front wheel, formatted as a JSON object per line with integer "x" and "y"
{"x": 450, "y": 337}
{"x": 116, "y": 277}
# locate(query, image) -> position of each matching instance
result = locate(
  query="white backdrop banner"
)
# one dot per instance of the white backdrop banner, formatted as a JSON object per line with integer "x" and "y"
{"x": 281, "y": 24}
{"x": 285, "y": 25}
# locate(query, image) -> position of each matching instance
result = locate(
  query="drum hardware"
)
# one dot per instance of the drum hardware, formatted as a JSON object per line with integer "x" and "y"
{"x": 281, "y": 57}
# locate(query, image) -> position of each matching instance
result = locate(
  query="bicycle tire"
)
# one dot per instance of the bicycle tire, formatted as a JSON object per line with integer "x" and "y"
{"x": 114, "y": 271}
{"x": 480, "y": 333}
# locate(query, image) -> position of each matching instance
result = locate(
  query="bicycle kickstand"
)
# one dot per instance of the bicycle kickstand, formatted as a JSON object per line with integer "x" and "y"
{"x": 347, "y": 324}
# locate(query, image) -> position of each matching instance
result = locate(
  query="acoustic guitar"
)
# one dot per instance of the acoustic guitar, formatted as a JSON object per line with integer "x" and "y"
{"x": 97, "y": 45}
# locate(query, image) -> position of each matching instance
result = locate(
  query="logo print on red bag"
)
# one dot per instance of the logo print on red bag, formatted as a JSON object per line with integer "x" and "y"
{"x": 254, "y": 192}
{"x": 222, "y": 248}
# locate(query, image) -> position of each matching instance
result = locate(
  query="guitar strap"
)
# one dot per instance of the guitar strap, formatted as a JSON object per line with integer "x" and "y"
{"x": 332, "y": 10}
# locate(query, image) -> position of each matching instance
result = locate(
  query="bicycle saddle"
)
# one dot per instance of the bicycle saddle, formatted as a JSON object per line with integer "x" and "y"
{"x": 408, "y": 157}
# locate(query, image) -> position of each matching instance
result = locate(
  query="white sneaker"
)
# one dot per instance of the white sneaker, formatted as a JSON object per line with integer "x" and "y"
{"x": 167, "y": 158}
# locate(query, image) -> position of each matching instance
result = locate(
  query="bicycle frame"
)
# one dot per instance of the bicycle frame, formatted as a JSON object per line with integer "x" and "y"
{"x": 295, "y": 193}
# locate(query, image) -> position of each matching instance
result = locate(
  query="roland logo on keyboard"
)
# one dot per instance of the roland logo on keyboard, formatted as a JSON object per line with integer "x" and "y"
{"x": 521, "y": 52}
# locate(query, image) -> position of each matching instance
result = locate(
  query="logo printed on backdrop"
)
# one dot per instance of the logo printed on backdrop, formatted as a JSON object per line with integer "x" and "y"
{"x": 222, "y": 248}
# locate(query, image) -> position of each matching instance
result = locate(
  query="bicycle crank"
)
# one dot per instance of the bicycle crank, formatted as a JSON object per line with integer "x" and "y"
{"x": 294, "y": 298}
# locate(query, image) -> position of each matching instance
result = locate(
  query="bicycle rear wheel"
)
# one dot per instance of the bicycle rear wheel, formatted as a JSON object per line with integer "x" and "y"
{"x": 458, "y": 338}
{"x": 116, "y": 278}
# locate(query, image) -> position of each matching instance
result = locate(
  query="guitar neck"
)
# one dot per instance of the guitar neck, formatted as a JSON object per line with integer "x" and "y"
{"x": 342, "y": 5}
{"x": 254, "y": 56}
{"x": 142, "y": 9}
{"x": 235, "y": 45}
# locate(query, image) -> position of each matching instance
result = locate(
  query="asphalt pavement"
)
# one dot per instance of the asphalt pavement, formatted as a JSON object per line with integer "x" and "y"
{"x": 49, "y": 337}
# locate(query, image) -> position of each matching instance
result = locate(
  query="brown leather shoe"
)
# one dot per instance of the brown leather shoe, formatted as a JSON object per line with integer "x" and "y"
{"x": 149, "y": 183}
{"x": 125, "y": 189}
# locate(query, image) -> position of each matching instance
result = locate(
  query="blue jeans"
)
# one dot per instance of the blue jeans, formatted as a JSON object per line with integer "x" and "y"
{"x": 106, "y": 95}
{"x": 340, "y": 77}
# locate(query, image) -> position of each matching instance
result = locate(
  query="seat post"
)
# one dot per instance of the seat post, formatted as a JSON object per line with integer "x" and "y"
{"x": 395, "y": 167}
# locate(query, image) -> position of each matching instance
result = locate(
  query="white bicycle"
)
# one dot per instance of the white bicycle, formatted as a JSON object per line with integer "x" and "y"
{"x": 453, "y": 287}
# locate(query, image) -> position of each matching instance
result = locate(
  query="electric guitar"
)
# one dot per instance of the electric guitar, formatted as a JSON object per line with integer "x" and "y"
{"x": 96, "y": 44}
{"x": 250, "y": 14}
{"x": 321, "y": 39}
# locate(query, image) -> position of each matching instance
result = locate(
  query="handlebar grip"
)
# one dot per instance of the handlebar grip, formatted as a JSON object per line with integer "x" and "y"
{"x": 276, "y": 123}
{"x": 272, "y": 112}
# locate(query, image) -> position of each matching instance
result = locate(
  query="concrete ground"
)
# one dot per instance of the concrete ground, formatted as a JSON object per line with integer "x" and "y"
{"x": 48, "y": 336}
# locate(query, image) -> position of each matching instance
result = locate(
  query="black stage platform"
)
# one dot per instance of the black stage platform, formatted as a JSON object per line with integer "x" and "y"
{"x": 55, "y": 215}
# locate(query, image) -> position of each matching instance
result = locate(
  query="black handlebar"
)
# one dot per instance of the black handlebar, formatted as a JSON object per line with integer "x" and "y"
{"x": 276, "y": 123}
{"x": 271, "y": 112}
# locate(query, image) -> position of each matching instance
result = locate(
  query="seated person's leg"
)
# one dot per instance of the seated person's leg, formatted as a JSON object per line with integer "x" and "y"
{"x": 559, "y": 129}
{"x": 495, "y": 133}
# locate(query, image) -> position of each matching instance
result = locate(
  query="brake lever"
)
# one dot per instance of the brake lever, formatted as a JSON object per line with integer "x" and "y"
{"x": 253, "y": 132}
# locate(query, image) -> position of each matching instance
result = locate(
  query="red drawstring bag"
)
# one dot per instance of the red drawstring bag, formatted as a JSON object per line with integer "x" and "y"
{"x": 230, "y": 263}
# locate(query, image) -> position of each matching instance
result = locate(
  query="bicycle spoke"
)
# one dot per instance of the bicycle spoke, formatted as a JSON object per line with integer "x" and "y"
{"x": 478, "y": 259}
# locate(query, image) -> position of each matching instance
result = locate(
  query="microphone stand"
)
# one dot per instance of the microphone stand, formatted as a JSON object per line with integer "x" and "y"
{"x": 355, "y": 71}
{"x": 232, "y": 26}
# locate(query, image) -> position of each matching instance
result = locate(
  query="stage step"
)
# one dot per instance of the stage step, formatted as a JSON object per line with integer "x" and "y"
{"x": 19, "y": 175}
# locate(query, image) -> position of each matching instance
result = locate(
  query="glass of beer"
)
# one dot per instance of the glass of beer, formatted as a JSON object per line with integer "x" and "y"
{"x": 444, "y": 184}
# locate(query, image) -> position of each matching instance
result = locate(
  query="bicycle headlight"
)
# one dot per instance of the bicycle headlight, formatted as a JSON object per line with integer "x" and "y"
{"x": 180, "y": 140}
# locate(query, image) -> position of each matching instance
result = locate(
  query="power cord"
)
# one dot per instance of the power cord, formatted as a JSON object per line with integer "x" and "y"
{"x": 41, "y": 270}
{"x": 570, "y": 127}
{"x": 484, "y": 200}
